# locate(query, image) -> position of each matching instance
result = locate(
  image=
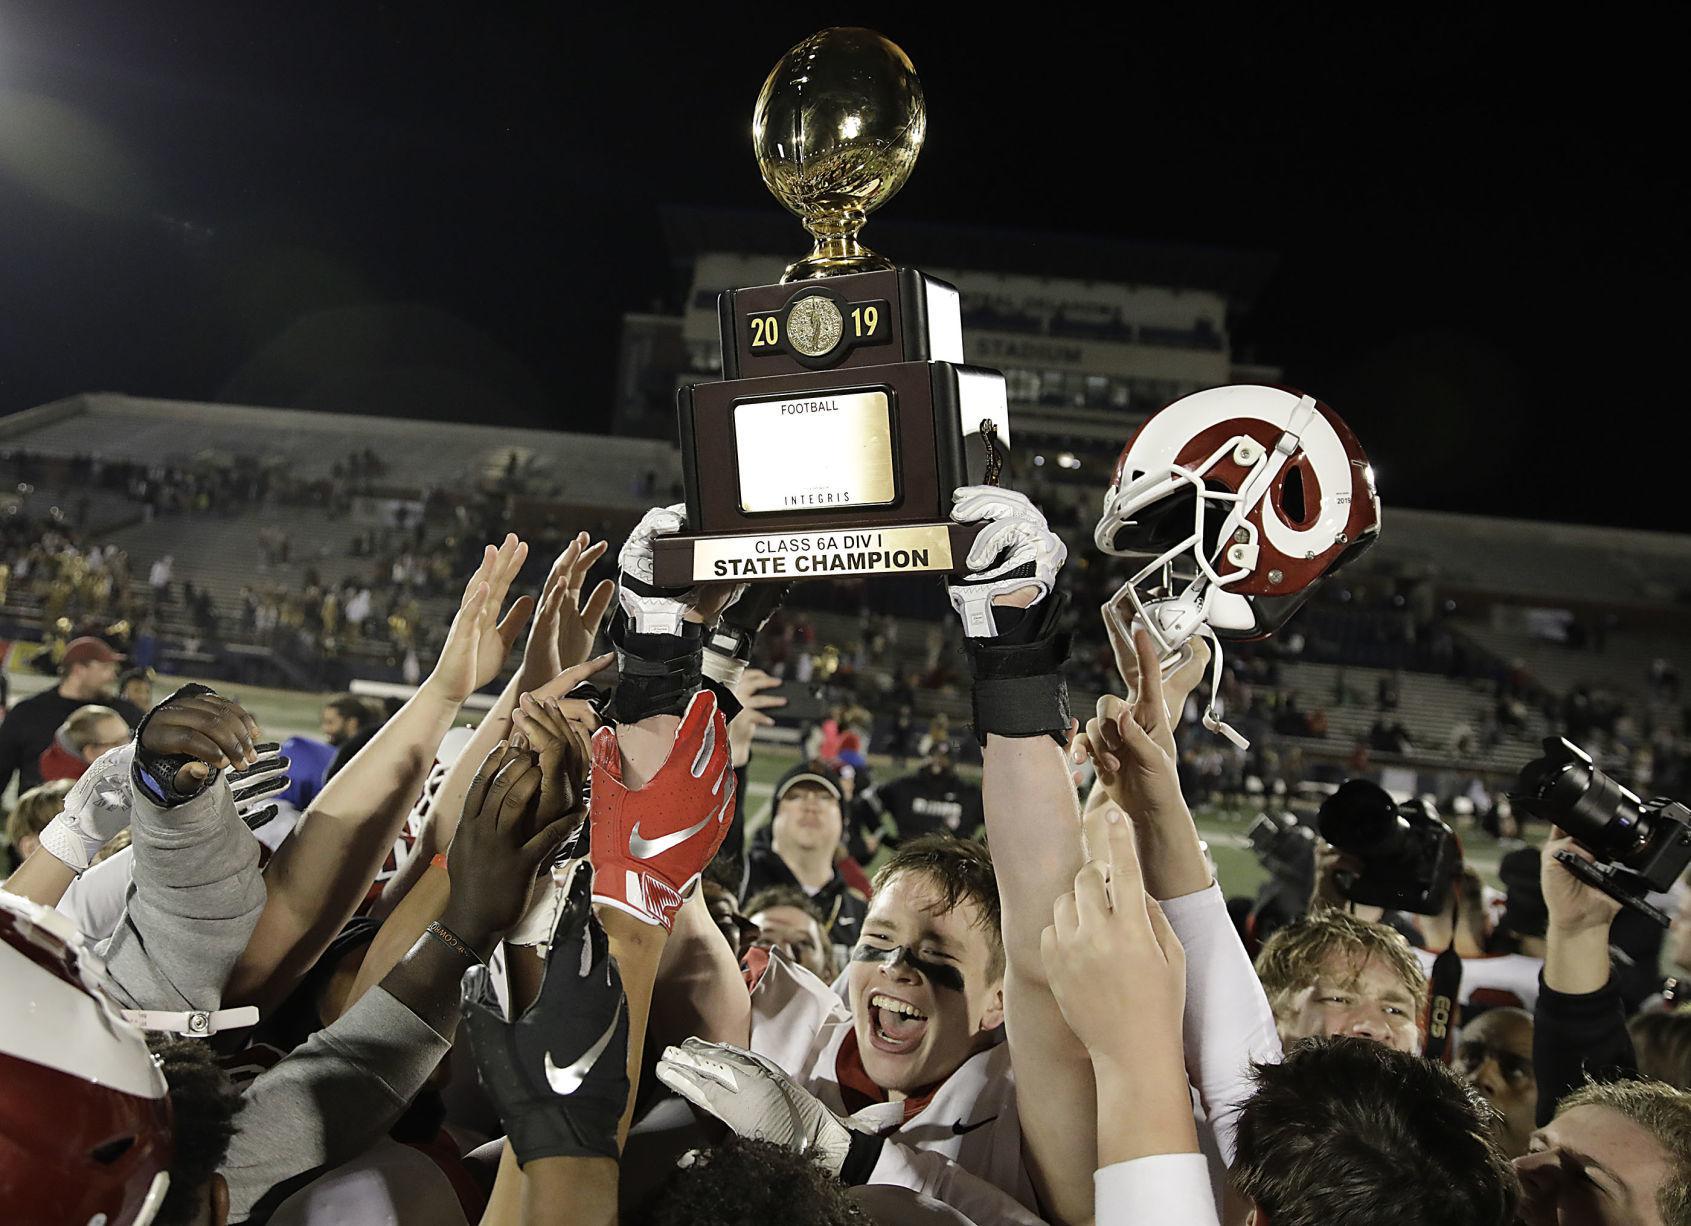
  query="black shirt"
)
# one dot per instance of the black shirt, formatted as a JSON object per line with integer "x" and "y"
{"x": 842, "y": 906}
{"x": 29, "y": 727}
{"x": 923, "y": 802}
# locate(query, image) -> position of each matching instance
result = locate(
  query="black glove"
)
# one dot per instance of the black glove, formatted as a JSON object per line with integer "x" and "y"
{"x": 558, "y": 1074}
{"x": 155, "y": 773}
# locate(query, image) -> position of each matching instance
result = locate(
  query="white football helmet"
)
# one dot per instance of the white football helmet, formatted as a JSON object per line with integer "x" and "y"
{"x": 1239, "y": 501}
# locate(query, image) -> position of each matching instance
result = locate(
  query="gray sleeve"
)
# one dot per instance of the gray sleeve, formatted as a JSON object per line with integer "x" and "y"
{"x": 330, "y": 1099}
{"x": 193, "y": 900}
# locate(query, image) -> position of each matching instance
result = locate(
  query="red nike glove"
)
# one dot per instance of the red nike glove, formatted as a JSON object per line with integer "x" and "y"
{"x": 649, "y": 846}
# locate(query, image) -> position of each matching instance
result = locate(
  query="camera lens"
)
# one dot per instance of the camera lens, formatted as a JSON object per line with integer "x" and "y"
{"x": 1361, "y": 818}
{"x": 1564, "y": 788}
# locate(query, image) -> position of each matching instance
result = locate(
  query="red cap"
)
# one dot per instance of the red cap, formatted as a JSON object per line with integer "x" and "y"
{"x": 82, "y": 650}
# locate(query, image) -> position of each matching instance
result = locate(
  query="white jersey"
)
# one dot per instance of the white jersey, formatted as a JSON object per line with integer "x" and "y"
{"x": 1494, "y": 979}
{"x": 971, "y": 1119}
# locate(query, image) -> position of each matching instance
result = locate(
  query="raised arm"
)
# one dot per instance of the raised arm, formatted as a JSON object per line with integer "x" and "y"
{"x": 1010, "y": 620}
{"x": 1228, "y": 1023}
{"x": 196, "y": 891}
{"x": 322, "y": 871}
{"x": 559, "y": 639}
{"x": 1111, "y": 954}
{"x": 1579, "y": 1020}
{"x": 331, "y": 1098}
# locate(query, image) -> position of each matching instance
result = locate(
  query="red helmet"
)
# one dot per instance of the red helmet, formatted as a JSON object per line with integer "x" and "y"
{"x": 85, "y": 1123}
{"x": 1240, "y": 501}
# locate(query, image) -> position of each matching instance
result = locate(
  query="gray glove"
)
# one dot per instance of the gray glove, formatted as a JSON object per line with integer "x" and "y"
{"x": 755, "y": 1098}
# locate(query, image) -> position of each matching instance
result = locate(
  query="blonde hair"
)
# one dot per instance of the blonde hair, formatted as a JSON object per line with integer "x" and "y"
{"x": 81, "y": 724}
{"x": 1292, "y": 958}
{"x": 1664, "y": 1113}
{"x": 35, "y": 809}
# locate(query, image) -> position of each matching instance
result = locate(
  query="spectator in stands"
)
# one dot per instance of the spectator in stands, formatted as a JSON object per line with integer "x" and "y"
{"x": 805, "y": 835}
{"x": 87, "y": 671}
{"x": 35, "y": 808}
{"x": 86, "y": 734}
{"x": 1389, "y": 738}
{"x": 158, "y": 578}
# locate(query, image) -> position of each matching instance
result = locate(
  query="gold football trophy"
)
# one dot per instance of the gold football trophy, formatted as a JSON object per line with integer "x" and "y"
{"x": 846, "y": 417}
{"x": 836, "y": 131}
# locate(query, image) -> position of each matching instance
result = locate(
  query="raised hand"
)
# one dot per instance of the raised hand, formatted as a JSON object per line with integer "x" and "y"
{"x": 478, "y": 642}
{"x": 560, "y": 732}
{"x": 96, "y": 808}
{"x": 1014, "y": 560}
{"x": 186, "y": 739}
{"x": 251, "y": 786}
{"x": 564, "y": 625}
{"x": 1573, "y": 905}
{"x": 1132, "y": 746}
{"x": 500, "y": 846}
{"x": 1180, "y": 674}
{"x": 1110, "y": 953}
{"x": 558, "y": 1074}
{"x": 650, "y": 844}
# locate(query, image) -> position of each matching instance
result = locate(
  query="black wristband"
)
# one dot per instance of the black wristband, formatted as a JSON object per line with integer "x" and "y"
{"x": 861, "y": 1157}
{"x": 1019, "y": 688}
{"x": 658, "y": 674}
{"x": 155, "y": 773}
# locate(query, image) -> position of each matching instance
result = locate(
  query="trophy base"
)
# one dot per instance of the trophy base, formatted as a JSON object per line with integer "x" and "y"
{"x": 820, "y": 553}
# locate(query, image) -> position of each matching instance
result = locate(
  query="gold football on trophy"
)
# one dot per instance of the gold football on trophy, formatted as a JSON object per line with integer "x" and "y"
{"x": 837, "y": 129}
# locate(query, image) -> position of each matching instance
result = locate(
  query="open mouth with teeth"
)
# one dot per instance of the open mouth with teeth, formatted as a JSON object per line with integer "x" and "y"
{"x": 895, "y": 1026}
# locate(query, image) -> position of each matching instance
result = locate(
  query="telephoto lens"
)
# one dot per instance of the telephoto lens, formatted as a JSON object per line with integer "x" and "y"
{"x": 1642, "y": 846}
{"x": 1567, "y": 789}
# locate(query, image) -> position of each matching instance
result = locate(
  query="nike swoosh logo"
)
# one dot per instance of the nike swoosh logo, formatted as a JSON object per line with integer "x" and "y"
{"x": 645, "y": 849}
{"x": 959, "y": 1128}
{"x": 568, "y": 1080}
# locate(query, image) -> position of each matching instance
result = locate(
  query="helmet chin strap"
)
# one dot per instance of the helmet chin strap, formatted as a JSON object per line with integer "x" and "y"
{"x": 1172, "y": 624}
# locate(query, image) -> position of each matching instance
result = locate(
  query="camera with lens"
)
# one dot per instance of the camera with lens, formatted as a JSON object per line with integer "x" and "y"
{"x": 1640, "y": 845}
{"x": 1409, "y": 856}
{"x": 1283, "y": 845}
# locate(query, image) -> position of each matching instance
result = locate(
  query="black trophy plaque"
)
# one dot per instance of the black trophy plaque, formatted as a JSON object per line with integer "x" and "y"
{"x": 833, "y": 445}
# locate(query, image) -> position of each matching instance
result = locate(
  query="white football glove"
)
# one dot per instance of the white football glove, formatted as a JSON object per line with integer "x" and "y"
{"x": 96, "y": 809}
{"x": 1015, "y": 550}
{"x": 651, "y": 609}
{"x": 755, "y": 1098}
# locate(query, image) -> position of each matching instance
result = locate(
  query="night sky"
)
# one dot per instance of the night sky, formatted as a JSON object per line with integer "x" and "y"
{"x": 444, "y": 210}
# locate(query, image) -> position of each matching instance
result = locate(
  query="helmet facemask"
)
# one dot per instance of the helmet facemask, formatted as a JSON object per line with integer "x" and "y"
{"x": 1197, "y": 525}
